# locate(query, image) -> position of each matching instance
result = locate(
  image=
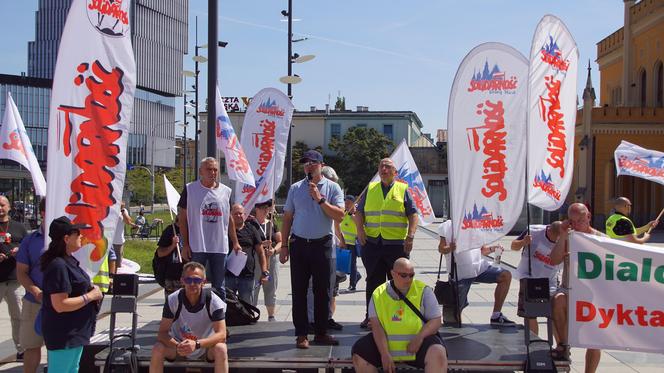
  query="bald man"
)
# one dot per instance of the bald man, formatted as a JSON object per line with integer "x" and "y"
{"x": 578, "y": 219}
{"x": 542, "y": 238}
{"x": 418, "y": 342}
{"x": 620, "y": 226}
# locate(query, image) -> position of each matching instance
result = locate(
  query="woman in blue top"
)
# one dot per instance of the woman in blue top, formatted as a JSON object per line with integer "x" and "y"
{"x": 69, "y": 309}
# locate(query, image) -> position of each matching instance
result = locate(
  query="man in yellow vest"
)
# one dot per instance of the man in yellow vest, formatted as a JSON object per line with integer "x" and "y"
{"x": 398, "y": 333}
{"x": 620, "y": 226}
{"x": 346, "y": 232}
{"x": 386, "y": 221}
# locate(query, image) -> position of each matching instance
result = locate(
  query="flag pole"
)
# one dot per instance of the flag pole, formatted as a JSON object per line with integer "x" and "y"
{"x": 658, "y": 217}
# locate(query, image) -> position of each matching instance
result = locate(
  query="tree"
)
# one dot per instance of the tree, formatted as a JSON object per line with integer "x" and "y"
{"x": 358, "y": 154}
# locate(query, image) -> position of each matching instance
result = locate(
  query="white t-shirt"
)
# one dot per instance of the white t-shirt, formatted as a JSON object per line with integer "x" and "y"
{"x": 208, "y": 211}
{"x": 540, "y": 258}
{"x": 118, "y": 236}
{"x": 470, "y": 263}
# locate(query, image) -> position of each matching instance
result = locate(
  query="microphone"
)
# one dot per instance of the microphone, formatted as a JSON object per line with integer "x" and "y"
{"x": 309, "y": 177}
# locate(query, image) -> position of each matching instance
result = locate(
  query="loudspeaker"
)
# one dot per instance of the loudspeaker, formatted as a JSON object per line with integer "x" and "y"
{"x": 125, "y": 284}
{"x": 534, "y": 299}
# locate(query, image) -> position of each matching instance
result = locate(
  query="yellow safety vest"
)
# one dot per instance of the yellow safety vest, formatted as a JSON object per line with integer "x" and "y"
{"x": 102, "y": 278}
{"x": 400, "y": 323}
{"x": 611, "y": 223}
{"x": 386, "y": 217}
{"x": 348, "y": 229}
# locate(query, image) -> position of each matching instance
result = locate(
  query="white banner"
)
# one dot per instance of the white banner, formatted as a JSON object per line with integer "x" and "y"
{"x": 91, "y": 108}
{"x": 633, "y": 160}
{"x": 616, "y": 292}
{"x": 17, "y": 147}
{"x": 554, "y": 60}
{"x": 264, "y": 136}
{"x": 172, "y": 196}
{"x": 486, "y": 146}
{"x": 408, "y": 173}
{"x": 237, "y": 165}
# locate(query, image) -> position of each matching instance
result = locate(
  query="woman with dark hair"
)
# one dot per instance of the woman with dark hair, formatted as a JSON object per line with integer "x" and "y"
{"x": 69, "y": 309}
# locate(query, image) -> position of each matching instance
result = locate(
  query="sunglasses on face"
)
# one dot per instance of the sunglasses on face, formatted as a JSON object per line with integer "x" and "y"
{"x": 193, "y": 280}
{"x": 406, "y": 275}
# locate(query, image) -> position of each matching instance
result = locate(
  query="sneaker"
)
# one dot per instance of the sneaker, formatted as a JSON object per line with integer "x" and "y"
{"x": 331, "y": 324}
{"x": 351, "y": 289}
{"x": 271, "y": 319}
{"x": 302, "y": 342}
{"x": 365, "y": 324}
{"x": 501, "y": 320}
{"x": 325, "y": 340}
{"x": 19, "y": 356}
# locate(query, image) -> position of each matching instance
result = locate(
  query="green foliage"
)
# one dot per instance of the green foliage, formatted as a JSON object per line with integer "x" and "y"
{"x": 358, "y": 154}
{"x": 340, "y": 104}
{"x": 141, "y": 251}
{"x": 139, "y": 183}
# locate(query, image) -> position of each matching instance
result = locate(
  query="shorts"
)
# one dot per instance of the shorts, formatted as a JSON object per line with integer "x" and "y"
{"x": 27, "y": 335}
{"x": 365, "y": 348}
{"x": 201, "y": 354}
{"x": 489, "y": 276}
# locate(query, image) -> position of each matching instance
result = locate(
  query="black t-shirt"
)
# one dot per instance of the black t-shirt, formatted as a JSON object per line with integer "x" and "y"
{"x": 173, "y": 267}
{"x": 11, "y": 235}
{"x": 67, "y": 329}
{"x": 264, "y": 229}
{"x": 248, "y": 237}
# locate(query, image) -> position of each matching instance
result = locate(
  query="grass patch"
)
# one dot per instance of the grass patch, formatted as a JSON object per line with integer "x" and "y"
{"x": 141, "y": 251}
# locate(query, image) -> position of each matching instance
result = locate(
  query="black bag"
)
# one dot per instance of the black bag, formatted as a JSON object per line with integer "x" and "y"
{"x": 239, "y": 312}
{"x": 447, "y": 295}
{"x": 165, "y": 268}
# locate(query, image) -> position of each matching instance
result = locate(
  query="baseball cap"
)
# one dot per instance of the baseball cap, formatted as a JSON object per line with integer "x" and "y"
{"x": 62, "y": 226}
{"x": 311, "y": 155}
{"x": 349, "y": 197}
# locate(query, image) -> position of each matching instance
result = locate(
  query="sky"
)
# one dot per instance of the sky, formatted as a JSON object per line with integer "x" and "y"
{"x": 387, "y": 55}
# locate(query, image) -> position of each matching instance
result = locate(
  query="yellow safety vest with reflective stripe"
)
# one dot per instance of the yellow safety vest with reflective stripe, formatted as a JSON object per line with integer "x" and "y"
{"x": 102, "y": 278}
{"x": 611, "y": 223}
{"x": 348, "y": 229}
{"x": 400, "y": 323}
{"x": 386, "y": 217}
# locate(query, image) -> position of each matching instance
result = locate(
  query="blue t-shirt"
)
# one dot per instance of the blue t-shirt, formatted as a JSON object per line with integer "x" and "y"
{"x": 67, "y": 329}
{"x": 309, "y": 220}
{"x": 31, "y": 249}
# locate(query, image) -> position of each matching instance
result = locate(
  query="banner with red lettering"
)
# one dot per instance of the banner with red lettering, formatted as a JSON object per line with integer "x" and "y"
{"x": 264, "y": 136}
{"x": 236, "y": 161}
{"x": 486, "y": 144}
{"x": 408, "y": 173}
{"x": 615, "y": 296}
{"x": 90, "y": 113}
{"x": 633, "y": 160}
{"x": 552, "y": 93}
{"x": 17, "y": 147}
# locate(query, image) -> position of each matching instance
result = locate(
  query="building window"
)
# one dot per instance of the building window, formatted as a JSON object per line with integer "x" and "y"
{"x": 388, "y": 131}
{"x": 659, "y": 85}
{"x": 643, "y": 88}
{"x": 335, "y": 131}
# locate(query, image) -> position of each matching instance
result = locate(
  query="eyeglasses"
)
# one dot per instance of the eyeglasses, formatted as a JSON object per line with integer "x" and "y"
{"x": 406, "y": 275}
{"x": 193, "y": 280}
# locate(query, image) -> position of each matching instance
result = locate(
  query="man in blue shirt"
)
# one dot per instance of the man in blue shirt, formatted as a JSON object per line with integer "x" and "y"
{"x": 312, "y": 205}
{"x": 29, "y": 274}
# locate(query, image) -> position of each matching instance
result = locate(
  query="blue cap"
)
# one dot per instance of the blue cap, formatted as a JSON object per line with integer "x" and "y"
{"x": 349, "y": 197}
{"x": 311, "y": 156}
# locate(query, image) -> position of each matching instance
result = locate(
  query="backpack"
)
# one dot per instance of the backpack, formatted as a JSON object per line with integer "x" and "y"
{"x": 239, "y": 312}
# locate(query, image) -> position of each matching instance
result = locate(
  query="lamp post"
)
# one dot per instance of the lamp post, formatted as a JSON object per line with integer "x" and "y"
{"x": 154, "y": 127}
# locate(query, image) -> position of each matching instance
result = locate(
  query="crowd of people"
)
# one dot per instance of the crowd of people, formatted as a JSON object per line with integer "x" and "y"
{"x": 60, "y": 305}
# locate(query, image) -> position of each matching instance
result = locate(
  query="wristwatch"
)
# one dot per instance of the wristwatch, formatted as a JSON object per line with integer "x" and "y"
{"x": 266, "y": 273}
{"x": 321, "y": 201}
{"x": 410, "y": 236}
{"x": 198, "y": 344}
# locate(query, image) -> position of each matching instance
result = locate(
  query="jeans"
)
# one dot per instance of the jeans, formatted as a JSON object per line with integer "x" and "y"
{"x": 353, "y": 264}
{"x": 215, "y": 265}
{"x": 242, "y": 285}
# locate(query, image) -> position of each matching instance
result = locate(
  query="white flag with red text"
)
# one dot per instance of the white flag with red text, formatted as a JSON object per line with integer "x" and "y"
{"x": 90, "y": 114}
{"x": 633, "y": 160}
{"x": 554, "y": 60}
{"x": 237, "y": 165}
{"x": 15, "y": 145}
{"x": 264, "y": 136}
{"x": 408, "y": 173}
{"x": 486, "y": 144}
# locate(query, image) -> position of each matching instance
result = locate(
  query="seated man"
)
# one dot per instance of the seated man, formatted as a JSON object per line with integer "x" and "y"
{"x": 192, "y": 324}
{"x": 473, "y": 267}
{"x": 541, "y": 240}
{"x": 398, "y": 333}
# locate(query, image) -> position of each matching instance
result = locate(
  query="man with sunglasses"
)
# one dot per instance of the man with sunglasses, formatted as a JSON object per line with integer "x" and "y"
{"x": 312, "y": 206}
{"x": 192, "y": 325}
{"x": 386, "y": 220}
{"x": 398, "y": 332}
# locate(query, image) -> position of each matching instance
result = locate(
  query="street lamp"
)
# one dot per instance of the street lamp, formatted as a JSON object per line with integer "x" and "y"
{"x": 291, "y": 79}
{"x": 154, "y": 127}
